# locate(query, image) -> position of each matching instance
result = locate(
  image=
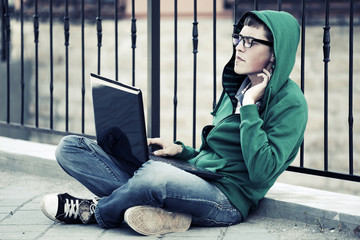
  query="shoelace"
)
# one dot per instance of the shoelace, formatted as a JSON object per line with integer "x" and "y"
{"x": 93, "y": 205}
{"x": 71, "y": 209}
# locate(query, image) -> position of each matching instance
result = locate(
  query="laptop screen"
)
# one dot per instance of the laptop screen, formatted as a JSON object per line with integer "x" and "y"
{"x": 118, "y": 105}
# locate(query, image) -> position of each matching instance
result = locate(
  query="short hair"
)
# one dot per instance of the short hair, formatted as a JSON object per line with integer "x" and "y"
{"x": 252, "y": 21}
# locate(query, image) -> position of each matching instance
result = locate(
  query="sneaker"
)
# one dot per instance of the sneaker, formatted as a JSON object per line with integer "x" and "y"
{"x": 68, "y": 209}
{"x": 148, "y": 220}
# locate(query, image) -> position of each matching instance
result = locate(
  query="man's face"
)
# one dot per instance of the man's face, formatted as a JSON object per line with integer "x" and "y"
{"x": 251, "y": 61}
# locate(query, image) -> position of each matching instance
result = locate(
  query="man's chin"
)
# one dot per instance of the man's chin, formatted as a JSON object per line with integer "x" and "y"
{"x": 237, "y": 71}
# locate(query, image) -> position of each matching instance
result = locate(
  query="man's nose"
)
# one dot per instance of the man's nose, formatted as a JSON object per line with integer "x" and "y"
{"x": 240, "y": 46}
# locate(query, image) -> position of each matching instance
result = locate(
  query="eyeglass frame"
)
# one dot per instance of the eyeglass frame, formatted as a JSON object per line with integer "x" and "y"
{"x": 237, "y": 37}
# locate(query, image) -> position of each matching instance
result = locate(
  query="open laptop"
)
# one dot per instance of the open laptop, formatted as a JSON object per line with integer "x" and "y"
{"x": 119, "y": 105}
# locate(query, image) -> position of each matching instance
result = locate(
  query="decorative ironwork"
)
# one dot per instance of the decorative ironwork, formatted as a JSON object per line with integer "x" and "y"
{"x": 67, "y": 37}
{"x": 351, "y": 74}
{"x": 175, "y": 98}
{"x": 133, "y": 40}
{"x": 7, "y": 54}
{"x": 99, "y": 34}
{"x": 51, "y": 86}
{"x": 195, "y": 35}
{"x": 326, "y": 51}
{"x": 302, "y": 80}
{"x": 214, "y": 53}
{"x": 36, "y": 41}
{"x": 82, "y": 66}
{"x": 22, "y": 82}
{"x": 116, "y": 16}
{"x": 154, "y": 65}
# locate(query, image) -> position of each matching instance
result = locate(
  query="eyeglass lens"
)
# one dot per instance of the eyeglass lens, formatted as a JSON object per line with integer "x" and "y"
{"x": 247, "y": 42}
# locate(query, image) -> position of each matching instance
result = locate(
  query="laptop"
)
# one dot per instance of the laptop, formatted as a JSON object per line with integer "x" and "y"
{"x": 119, "y": 105}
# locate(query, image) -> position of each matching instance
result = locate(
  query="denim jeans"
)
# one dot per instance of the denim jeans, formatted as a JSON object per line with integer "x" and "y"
{"x": 154, "y": 183}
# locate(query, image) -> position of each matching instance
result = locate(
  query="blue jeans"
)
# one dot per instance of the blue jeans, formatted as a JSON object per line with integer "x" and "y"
{"x": 154, "y": 183}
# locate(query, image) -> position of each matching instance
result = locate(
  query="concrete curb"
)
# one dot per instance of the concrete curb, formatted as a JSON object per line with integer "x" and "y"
{"x": 29, "y": 157}
{"x": 311, "y": 206}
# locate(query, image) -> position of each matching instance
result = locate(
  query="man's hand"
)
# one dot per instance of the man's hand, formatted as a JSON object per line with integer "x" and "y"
{"x": 256, "y": 92}
{"x": 167, "y": 148}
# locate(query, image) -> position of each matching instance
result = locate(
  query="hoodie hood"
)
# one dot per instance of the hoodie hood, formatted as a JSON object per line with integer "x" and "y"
{"x": 286, "y": 33}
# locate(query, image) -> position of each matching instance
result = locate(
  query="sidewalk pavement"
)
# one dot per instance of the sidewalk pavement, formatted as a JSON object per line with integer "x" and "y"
{"x": 29, "y": 171}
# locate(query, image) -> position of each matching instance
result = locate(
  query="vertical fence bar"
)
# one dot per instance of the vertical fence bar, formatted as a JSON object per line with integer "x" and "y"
{"x": 279, "y": 5}
{"x": 326, "y": 52}
{"x": 153, "y": 48}
{"x": 3, "y": 42}
{"x": 256, "y": 5}
{"x": 36, "y": 41}
{"x": 214, "y": 54}
{"x": 116, "y": 16}
{"x": 67, "y": 35}
{"x": 51, "y": 66}
{"x": 302, "y": 77}
{"x": 351, "y": 63}
{"x": 175, "y": 100}
{"x": 22, "y": 83}
{"x": 83, "y": 66}
{"x": 7, "y": 53}
{"x": 133, "y": 40}
{"x": 195, "y": 51}
{"x": 99, "y": 34}
{"x": 235, "y": 15}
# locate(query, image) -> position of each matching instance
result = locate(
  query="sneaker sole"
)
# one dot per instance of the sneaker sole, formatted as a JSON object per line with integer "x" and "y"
{"x": 148, "y": 220}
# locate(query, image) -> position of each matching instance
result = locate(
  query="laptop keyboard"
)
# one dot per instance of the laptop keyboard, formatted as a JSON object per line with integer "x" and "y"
{"x": 173, "y": 161}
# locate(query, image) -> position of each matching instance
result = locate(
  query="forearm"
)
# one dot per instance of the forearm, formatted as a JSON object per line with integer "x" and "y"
{"x": 268, "y": 146}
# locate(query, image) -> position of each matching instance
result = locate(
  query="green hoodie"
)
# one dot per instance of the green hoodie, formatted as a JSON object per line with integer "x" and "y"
{"x": 253, "y": 148}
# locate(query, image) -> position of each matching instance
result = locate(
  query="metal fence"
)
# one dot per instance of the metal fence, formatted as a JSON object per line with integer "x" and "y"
{"x": 307, "y": 12}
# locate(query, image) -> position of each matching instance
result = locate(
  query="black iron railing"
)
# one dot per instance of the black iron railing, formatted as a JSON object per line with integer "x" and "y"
{"x": 307, "y": 12}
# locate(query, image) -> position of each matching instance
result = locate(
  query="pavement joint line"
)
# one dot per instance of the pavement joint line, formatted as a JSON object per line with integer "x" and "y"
{"x": 222, "y": 233}
{"x": 102, "y": 234}
{"x": 46, "y": 230}
{"x": 17, "y": 208}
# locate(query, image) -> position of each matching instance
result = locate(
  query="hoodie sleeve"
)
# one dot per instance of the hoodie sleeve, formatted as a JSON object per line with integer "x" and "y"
{"x": 187, "y": 152}
{"x": 269, "y": 147}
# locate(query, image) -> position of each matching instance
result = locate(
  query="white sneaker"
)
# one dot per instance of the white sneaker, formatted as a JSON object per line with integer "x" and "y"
{"x": 149, "y": 220}
{"x": 68, "y": 209}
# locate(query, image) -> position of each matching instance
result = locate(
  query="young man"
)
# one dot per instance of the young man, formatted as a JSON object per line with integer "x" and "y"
{"x": 259, "y": 124}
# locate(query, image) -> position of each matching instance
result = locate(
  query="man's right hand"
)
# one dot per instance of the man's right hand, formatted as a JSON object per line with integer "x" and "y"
{"x": 167, "y": 148}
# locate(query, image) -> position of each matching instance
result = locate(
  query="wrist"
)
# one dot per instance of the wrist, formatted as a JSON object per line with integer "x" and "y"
{"x": 179, "y": 148}
{"x": 247, "y": 102}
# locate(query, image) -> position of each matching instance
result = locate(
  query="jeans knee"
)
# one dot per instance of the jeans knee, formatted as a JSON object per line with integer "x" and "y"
{"x": 66, "y": 146}
{"x": 153, "y": 172}
{"x": 150, "y": 182}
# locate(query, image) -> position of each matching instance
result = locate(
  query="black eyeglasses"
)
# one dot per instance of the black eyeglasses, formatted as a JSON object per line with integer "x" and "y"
{"x": 248, "y": 41}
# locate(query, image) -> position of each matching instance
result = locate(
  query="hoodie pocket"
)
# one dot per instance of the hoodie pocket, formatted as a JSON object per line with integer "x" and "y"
{"x": 210, "y": 161}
